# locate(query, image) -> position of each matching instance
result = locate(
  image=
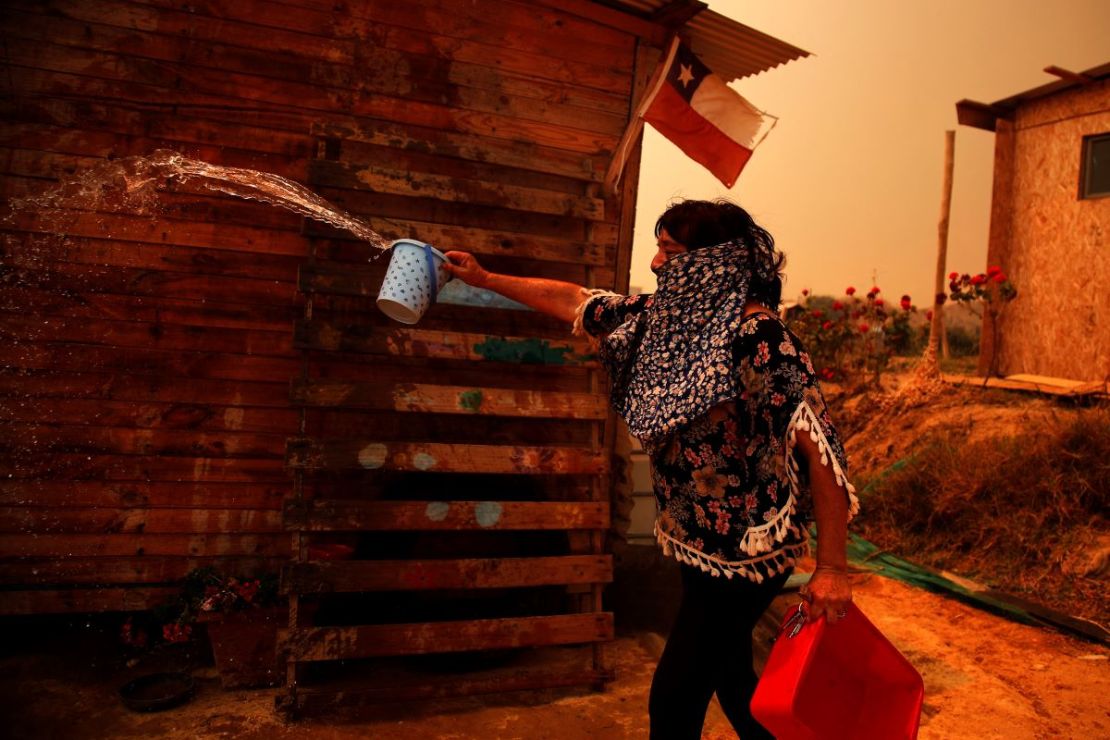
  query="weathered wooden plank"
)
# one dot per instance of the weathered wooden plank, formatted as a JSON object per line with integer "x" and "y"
{"x": 491, "y": 124}
{"x": 127, "y": 414}
{"x": 446, "y": 399}
{"x": 143, "y": 545}
{"x": 355, "y": 154}
{"x": 64, "y": 276}
{"x": 426, "y": 343}
{"x": 1033, "y": 384}
{"x": 38, "y": 438}
{"x": 144, "y": 494}
{"x": 508, "y": 25}
{"x": 108, "y": 571}
{"x": 174, "y": 80}
{"x": 51, "y": 521}
{"x": 92, "y": 440}
{"x": 404, "y": 575}
{"x": 461, "y": 215}
{"x": 59, "y": 466}
{"x": 335, "y": 643}
{"x": 527, "y": 15}
{"x": 653, "y": 33}
{"x": 353, "y": 454}
{"x": 479, "y": 241}
{"x": 47, "y": 249}
{"x": 521, "y": 155}
{"x": 324, "y": 700}
{"x": 173, "y": 20}
{"x": 567, "y": 71}
{"x": 144, "y": 389}
{"x": 81, "y": 139}
{"x": 82, "y": 600}
{"x": 195, "y": 132}
{"x": 41, "y": 89}
{"x": 140, "y": 334}
{"x": 400, "y": 428}
{"x": 133, "y": 361}
{"x": 151, "y": 309}
{"x": 426, "y": 185}
{"x": 348, "y": 515}
{"x": 130, "y": 228}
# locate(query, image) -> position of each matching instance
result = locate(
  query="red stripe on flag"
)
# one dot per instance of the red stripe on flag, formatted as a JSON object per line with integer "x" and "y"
{"x": 702, "y": 142}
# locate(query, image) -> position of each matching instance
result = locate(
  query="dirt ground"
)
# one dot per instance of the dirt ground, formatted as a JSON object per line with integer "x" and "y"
{"x": 984, "y": 678}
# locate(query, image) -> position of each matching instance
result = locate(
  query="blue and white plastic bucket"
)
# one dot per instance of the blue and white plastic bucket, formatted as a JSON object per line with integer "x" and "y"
{"x": 412, "y": 282}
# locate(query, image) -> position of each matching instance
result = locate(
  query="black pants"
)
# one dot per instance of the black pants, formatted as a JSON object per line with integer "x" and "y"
{"x": 710, "y": 651}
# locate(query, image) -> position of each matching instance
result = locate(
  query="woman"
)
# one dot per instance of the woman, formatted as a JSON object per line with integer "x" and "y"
{"x": 725, "y": 401}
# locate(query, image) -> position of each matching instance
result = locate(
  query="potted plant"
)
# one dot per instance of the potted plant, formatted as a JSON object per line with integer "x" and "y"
{"x": 242, "y": 617}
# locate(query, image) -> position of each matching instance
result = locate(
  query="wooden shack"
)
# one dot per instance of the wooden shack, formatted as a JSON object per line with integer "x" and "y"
{"x": 211, "y": 384}
{"x": 1048, "y": 227}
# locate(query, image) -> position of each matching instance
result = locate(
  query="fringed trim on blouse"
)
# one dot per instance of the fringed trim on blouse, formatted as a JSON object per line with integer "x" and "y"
{"x": 580, "y": 312}
{"x": 805, "y": 419}
{"x": 754, "y": 569}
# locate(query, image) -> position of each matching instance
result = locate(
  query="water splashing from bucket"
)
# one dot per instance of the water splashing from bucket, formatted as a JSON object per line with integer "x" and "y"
{"x": 136, "y": 181}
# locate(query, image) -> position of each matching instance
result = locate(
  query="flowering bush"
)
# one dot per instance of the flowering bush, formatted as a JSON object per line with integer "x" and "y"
{"x": 986, "y": 294}
{"x": 853, "y": 338}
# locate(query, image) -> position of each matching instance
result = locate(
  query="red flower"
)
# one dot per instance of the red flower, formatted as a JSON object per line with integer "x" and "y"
{"x": 131, "y": 636}
{"x": 874, "y": 290}
{"x": 837, "y": 306}
{"x": 999, "y": 277}
{"x": 906, "y": 304}
{"x": 979, "y": 279}
{"x": 248, "y": 590}
{"x": 953, "y": 276}
{"x": 805, "y": 291}
{"x": 827, "y": 325}
{"x": 850, "y": 290}
{"x": 993, "y": 270}
{"x": 818, "y": 313}
{"x": 878, "y": 301}
{"x": 176, "y": 632}
{"x": 929, "y": 314}
{"x": 864, "y": 328}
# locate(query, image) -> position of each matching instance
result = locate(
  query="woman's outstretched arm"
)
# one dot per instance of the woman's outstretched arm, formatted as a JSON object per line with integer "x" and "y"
{"x": 552, "y": 297}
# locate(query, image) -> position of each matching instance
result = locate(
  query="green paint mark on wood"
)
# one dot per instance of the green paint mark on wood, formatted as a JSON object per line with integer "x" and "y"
{"x": 471, "y": 400}
{"x": 526, "y": 351}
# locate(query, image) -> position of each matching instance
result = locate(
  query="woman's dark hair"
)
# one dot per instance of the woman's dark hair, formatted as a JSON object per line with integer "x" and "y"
{"x": 696, "y": 224}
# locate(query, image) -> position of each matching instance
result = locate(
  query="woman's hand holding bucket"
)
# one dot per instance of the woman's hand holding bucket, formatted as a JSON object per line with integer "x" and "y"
{"x": 465, "y": 267}
{"x": 828, "y": 592}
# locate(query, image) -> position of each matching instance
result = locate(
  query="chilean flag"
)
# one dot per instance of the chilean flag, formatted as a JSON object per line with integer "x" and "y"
{"x": 700, "y": 114}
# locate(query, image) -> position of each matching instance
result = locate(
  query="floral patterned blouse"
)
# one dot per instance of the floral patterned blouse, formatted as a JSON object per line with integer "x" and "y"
{"x": 732, "y": 498}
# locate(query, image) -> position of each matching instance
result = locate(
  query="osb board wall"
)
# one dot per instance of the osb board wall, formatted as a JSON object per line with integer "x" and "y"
{"x": 144, "y": 405}
{"x": 1053, "y": 245}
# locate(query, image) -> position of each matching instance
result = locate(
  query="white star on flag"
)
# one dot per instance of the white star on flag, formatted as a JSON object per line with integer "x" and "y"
{"x": 686, "y": 76}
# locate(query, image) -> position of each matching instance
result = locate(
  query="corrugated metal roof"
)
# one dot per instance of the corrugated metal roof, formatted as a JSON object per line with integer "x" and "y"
{"x": 985, "y": 116}
{"x": 727, "y": 47}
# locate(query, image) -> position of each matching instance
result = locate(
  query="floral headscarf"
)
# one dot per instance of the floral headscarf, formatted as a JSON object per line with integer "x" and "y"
{"x": 672, "y": 362}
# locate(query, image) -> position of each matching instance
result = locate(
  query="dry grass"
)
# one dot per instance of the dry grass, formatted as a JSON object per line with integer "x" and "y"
{"x": 1024, "y": 513}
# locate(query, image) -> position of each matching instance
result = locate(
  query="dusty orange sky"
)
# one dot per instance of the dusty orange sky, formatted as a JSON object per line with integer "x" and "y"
{"x": 849, "y": 181}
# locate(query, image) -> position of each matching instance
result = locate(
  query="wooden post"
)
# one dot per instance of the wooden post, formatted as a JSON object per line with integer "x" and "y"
{"x": 936, "y": 328}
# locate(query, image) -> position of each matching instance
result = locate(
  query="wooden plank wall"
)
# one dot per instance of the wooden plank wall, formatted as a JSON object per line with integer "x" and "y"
{"x": 150, "y": 363}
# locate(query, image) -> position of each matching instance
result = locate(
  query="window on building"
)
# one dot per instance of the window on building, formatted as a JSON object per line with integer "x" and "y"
{"x": 1094, "y": 180}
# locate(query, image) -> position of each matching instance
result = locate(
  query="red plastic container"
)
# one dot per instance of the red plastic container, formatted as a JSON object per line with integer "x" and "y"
{"x": 826, "y": 682}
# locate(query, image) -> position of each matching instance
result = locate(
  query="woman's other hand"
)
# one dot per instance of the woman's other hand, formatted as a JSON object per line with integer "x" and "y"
{"x": 828, "y": 592}
{"x": 465, "y": 267}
